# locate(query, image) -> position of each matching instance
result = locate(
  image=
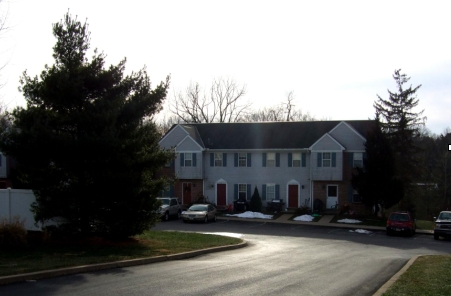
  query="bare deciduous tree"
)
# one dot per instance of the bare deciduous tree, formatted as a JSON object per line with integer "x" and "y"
{"x": 283, "y": 112}
{"x": 223, "y": 103}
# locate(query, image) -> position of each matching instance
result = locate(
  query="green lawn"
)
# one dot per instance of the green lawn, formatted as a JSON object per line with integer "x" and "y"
{"x": 425, "y": 224}
{"x": 428, "y": 276}
{"x": 96, "y": 250}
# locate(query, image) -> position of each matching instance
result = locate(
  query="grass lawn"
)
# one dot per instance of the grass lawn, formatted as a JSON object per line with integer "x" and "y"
{"x": 428, "y": 276}
{"x": 425, "y": 224}
{"x": 96, "y": 250}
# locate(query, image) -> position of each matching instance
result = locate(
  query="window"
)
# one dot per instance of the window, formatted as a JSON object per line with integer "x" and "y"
{"x": 356, "y": 198}
{"x": 332, "y": 190}
{"x": 218, "y": 159}
{"x": 270, "y": 159}
{"x": 358, "y": 160}
{"x": 296, "y": 159}
{"x": 242, "y": 190}
{"x": 326, "y": 159}
{"x": 188, "y": 159}
{"x": 242, "y": 159}
{"x": 270, "y": 191}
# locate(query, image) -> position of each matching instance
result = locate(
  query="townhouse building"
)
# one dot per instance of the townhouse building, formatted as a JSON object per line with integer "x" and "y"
{"x": 296, "y": 162}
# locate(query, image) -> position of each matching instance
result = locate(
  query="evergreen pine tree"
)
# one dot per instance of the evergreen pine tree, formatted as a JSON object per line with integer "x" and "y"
{"x": 84, "y": 143}
{"x": 256, "y": 201}
{"x": 402, "y": 125}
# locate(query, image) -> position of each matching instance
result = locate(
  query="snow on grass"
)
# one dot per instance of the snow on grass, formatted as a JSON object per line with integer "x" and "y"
{"x": 250, "y": 214}
{"x": 349, "y": 221}
{"x": 304, "y": 218}
{"x": 231, "y": 234}
{"x": 361, "y": 231}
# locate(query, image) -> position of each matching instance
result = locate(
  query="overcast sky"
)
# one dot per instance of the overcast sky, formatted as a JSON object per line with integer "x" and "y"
{"x": 336, "y": 56}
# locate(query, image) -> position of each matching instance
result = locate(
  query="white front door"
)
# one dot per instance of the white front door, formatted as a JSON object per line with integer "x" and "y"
{"x": 332, "y": 196}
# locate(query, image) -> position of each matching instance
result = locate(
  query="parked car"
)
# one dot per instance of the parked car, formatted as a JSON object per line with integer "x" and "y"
{"x": 199, "y": 212}
{"x": 442, "y": 225}
{"x": 401, "y": 222}
{"x": 170, "y": 207}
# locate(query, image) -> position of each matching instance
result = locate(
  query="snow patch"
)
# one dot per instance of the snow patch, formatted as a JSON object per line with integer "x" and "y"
{"x": 250, "y": 214}
{"x": 237, "y": 235}
{"x": 304, "y": 218}
{"x": 361, "y": 231}
{"x": 349, "y": 221}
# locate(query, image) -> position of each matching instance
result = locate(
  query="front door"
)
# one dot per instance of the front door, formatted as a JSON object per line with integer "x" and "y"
{"x": 332, "y": 196}
{"x": 186, "y": 189}
{"x": 293, "y": 196}
{"x": 221, "y": 195}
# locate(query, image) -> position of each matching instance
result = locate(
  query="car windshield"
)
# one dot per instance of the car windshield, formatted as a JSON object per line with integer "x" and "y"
{"x": 399, "y": 217}
{"x": 164, "y": 201}
{"x": 198, "y": 208}
{"x": 445, "y": 216}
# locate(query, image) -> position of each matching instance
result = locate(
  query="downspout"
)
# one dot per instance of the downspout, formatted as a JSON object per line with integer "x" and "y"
{"x": 311, "y": 182}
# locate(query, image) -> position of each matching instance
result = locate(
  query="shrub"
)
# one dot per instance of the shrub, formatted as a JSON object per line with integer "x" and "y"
{"x": 256, "y": 202}
{"x": 13, "y": 234}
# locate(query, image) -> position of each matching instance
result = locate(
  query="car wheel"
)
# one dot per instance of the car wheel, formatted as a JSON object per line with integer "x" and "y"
{"x": 206, "y": 219}
{"x": 436, "y": 236}
{"x": 166, "y": 216}
{"x": 179, "y": 214}
{"x": 214, "y": 218}
{"x": 412, "y": 232}
{"x": 388, "y": 232}
{"x": 184, "y": 221}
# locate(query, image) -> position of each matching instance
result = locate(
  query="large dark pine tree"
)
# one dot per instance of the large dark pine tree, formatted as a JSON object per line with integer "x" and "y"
{"x": 401, "y": 124}
{"x": 84, "y": 143}
{"x": 376, "y": 182}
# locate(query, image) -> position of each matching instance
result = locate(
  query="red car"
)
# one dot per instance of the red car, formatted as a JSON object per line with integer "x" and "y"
{"x": 401, "y": 222}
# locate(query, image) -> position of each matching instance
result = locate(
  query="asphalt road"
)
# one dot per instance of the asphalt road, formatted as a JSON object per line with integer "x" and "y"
{"x": 281, "y": 259}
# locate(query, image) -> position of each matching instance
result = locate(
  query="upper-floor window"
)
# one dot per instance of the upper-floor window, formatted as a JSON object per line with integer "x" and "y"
{"x": 218, "y": 159}
{"x": 296, "y": 159}
{"x": 270, "y": 159}
{"x": 358, "y": 160}
{"x": 326, "y": 159}
{"x": 242, "y": 159}
{"x": 188, "y": 159}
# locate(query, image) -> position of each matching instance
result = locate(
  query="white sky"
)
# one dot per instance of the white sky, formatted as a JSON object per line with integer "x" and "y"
{"x": 335, "y": 55}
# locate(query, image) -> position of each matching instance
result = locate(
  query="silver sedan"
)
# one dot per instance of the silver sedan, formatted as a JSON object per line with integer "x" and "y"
{"x": 199, "y": 212}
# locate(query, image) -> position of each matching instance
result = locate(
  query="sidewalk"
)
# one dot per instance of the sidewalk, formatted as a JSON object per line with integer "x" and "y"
{"x": 324, "y": 221}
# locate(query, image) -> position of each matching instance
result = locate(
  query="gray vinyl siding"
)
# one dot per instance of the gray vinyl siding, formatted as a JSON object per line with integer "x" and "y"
{"x": 327, "y": 173}
{"x": 348, "y": 138}
{"x": 257, "y": 175}
{"x": 188, "y": 145}
{"x": 192, "y": 172}
{"x": 173, "y": 138}
{"x": 326, "y": 143}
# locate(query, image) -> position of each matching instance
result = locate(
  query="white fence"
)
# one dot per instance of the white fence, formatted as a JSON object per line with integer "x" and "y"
{"x": 17, "y": 202}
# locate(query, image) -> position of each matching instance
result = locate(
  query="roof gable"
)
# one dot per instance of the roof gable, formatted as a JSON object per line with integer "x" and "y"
{"x": 328, "y": 143}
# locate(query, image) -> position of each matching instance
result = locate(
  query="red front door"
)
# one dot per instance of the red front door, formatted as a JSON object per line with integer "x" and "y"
{"x": 186, "y": 193}
{"x": 221, "y": 195}
{"x": 293, "y": 196}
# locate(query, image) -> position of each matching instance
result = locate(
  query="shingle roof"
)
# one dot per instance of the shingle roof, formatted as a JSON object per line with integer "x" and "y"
{"x": 267, "y": 135}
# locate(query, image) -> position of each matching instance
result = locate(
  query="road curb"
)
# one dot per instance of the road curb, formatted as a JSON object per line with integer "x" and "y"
{"x": 336, "y": 225}
{"x": 394, "y": 278}
{"x": 32, "y": 276}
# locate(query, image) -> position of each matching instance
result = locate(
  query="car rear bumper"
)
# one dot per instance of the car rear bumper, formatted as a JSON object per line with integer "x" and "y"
{"x": 399, "y": 229}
